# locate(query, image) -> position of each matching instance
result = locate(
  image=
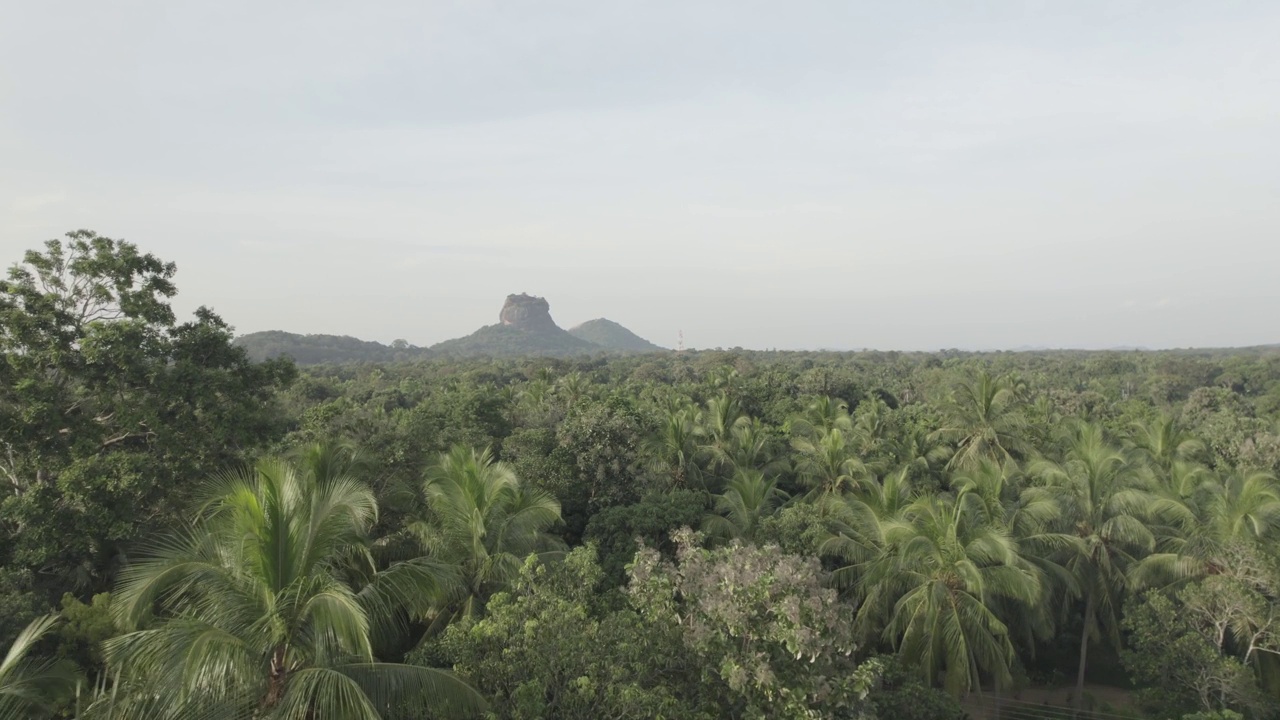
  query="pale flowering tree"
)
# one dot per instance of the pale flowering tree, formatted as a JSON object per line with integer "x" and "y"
{"x": 761, "y": 623}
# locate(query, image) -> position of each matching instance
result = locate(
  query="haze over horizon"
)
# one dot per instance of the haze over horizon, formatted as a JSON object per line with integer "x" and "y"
{"x": 908, "y": 176}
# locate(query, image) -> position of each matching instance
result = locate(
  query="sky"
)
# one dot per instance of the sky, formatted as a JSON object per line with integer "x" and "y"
{"x": 795, "y": 175}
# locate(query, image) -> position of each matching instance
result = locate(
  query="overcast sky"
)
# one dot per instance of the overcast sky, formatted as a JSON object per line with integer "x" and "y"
{"x": 897, "y": 175}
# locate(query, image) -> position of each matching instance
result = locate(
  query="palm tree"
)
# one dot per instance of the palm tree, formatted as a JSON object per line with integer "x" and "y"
{"x": 858, "y": 521}
{"x": 246, "y": 613}
{"x": 750, "y": 497}
{"x": 722, "y": 419}
{"x": 1104, "y": 502}
{"x": 1206, "y": 519}
{"x": 933, "y": 590}
{"x": 573, "y": 387}
{"x": 674, "y": 450}
{"x": 870, "y": 427}
{"x": 28, "y": 687}
{"x": 984, "y": 421}
{"x": 828, "y": 465}
{"x": 1030, "y": 518}
{"x": 820, "y": 417}
{"x": 1163, "y": 443}
{"x": 923, "y": 455}
{"x": 482, "y": 520}
{"x": 746, "y": 448}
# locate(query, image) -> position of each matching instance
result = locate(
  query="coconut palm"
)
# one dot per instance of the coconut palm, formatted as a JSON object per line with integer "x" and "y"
{"x": 573, "y": 387}
{"x": 1104, "y": 503}
{"x": 923, "y": 455}
{"x": 870, "y": 427}
{"x": 253, "y": 617}
{"x": 721, "y": 420}
{"x": 482, "y": 520}
{"x": 828, "y": 464}
{"x": 1162, "y": 443}
{"x": 29, "y": 686}
{"x": 1206, "y": 519}
{"x": 858, "y": 521}
{"x": 983, "y": 420}
{"x": 931, "y": 594}
{"x": 820, "y": 417}
{"x": 747, "y": 447}
{"x": 750, "y": 497}
{"x": 1031, "y": 518}
{"x": 674, "y": 450}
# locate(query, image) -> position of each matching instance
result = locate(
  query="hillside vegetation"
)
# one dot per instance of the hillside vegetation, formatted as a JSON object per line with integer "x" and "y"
{"x": 317, "y": 349}
{"x": 612, "y": 336}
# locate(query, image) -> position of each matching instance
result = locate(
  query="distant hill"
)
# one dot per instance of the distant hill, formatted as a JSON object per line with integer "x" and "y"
{"x": 508, "y": 341}
{"x": 524, "y": 327}
{"x": 612, "y": 336}
{"x": 317, "y": 349}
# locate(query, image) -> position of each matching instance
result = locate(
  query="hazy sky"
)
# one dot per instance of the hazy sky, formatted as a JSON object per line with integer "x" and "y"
{"x": 909, "y": 175}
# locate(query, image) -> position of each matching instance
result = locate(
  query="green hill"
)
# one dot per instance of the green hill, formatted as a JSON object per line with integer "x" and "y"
{"x": 612, "y": 336}
{"x": 317, "y": 349}
{"x": 511, "y": 340}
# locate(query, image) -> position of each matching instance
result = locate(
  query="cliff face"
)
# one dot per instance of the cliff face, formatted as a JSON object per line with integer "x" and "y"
{"x": 526, "y": 312}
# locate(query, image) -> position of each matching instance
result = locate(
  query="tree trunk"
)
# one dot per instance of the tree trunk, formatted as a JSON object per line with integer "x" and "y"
{"x": 1084, "y": 653}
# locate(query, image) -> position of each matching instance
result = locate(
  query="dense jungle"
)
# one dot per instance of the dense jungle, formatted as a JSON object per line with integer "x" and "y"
{"x": 187, "y": 533}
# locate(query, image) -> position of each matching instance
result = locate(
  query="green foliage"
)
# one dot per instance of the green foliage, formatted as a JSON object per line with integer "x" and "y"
{"x": 29, "y": 686}
{"x": 257, "y": 614}
{"x": 317, "y": 349}
{"x": 85, "y": 628}
{"x": 107, "y": 406}
{"x": 604, "y": 440}
{"x": 761, "y": 624}
{"x": 975, "y": 516}
{"x": 900, "y": 695}
{"x": 1184, "y": 669}
{"x": 480, "y": 519}
{"x": 19, "y": 603}
{"x": 934, "y": 590}
{"x": 620, "y": 530}
{"x": 545, "y": 649}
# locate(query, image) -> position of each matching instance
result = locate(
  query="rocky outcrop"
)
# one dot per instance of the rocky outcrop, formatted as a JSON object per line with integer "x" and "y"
{"x": 526, "y": 312}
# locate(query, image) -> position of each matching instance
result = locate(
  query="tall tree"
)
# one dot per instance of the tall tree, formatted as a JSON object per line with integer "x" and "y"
{"x": 828, "y": 465}
{"x": 255, "y": 617}
{"x": 1104, "y": 503}
{"x": 1162, "y": 442}
{"x": 1205, "y": 522}
{"x": 820, "y": 417}
{"x": 750, "y": 497}
{"x": 674, "y": 450}
{"x": 482, "y": 520}
{"x": 984, "y": 420}
{"x": 108, "y": 405}
{"x": 932, "y": 590}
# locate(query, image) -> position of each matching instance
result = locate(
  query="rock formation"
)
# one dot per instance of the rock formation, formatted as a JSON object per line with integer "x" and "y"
{"x": 526, "y": 312}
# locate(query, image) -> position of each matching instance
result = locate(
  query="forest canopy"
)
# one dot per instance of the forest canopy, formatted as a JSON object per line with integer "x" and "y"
{"x": 185, "y": 532}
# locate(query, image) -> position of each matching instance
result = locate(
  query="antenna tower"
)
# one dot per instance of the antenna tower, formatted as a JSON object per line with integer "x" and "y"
{"x": 680, "y": 343}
